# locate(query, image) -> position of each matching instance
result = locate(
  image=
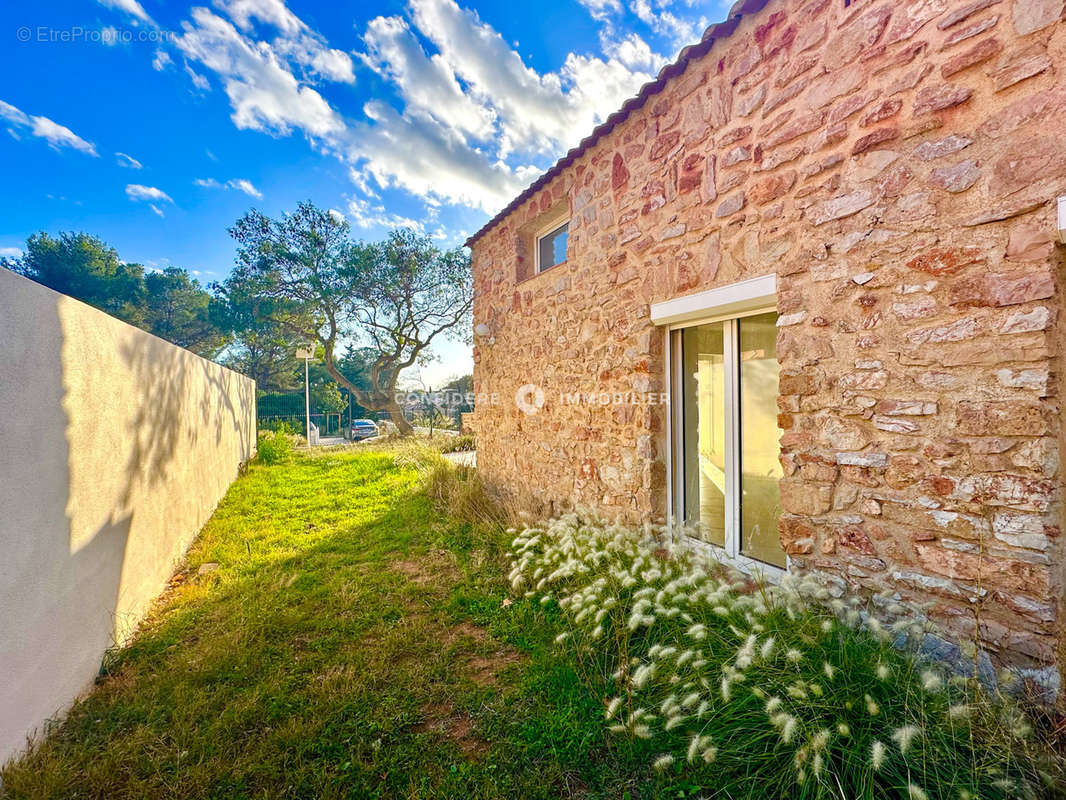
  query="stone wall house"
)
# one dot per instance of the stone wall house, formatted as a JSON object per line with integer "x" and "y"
{"x": 875, "y": 184}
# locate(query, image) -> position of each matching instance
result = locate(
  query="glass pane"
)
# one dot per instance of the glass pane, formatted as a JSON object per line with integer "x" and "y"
{"x": 703, "y": 448}
{"x": 553, "y": 247}
{"x": 760, "y": 468}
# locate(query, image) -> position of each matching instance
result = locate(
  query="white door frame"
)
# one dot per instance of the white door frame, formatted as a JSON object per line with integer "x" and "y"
{"x": 726, "y": 303}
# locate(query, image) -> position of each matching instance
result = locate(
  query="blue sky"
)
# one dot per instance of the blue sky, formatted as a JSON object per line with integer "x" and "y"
{"x": 156, "y": 125}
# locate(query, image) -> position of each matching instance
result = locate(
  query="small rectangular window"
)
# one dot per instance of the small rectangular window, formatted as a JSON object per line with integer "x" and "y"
{"x": 551, "y": 247}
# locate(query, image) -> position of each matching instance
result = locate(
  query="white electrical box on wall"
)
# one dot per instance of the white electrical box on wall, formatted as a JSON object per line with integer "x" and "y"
{"x": 1062, "y": 219}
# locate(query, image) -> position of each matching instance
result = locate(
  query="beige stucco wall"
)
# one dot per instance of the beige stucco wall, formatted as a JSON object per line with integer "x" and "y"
{"x": 115, "y": 447}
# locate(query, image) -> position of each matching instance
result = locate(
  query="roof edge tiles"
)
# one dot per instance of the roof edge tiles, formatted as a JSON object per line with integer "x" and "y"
{"x": 716, "y": 32}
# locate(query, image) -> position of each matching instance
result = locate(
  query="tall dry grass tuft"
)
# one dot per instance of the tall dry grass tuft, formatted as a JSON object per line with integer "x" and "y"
{"x": 460, "y": 491}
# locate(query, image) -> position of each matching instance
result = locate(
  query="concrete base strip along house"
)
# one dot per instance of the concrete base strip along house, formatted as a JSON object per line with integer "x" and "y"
{"x": 804, "y": 293}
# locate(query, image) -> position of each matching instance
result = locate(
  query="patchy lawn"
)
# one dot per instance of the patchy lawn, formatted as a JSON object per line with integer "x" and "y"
{"x": 353, "y": 642}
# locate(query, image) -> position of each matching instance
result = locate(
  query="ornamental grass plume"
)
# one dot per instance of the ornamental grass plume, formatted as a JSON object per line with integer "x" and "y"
{"x": 904, "y": 736}
{"x": 750, "y": 687}
{"x": 878, "y": 752}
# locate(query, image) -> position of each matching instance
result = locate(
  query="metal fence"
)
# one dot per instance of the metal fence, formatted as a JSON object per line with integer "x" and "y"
{"x": 277, "y": 409}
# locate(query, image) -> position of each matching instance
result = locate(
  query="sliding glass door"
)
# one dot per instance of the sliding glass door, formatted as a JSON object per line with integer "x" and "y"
{"x": 726, "y": 434}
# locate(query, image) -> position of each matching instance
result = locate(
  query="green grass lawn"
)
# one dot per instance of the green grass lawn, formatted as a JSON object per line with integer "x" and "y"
{"x": 354, "y": 642}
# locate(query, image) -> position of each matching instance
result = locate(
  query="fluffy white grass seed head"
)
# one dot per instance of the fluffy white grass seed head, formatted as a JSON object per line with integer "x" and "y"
{"x": 878, "y": 753}
{"x": 904, "y": 736}
{"x": 931, "y": 681}
{"x": 663, "y": 762}
{"x": 871, "y": 706}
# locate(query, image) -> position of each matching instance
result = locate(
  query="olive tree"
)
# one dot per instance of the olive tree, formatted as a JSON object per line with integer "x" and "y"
{"x": 393, "y": 297}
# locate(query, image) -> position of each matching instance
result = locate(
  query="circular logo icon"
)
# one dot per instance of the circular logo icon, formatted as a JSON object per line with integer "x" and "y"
{"x": 529, "y": 398}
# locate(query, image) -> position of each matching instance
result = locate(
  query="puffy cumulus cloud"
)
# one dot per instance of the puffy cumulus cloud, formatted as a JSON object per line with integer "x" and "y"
{"x": 427, "y": 84}
{"x": 417, "y": 154}
{"x": 238, "y": 184}
{"x": 296, "y": 42}
{"x": 139, "y": 192}
{"x": 272, "y": 12}
{"x": 263, "y": 93}
{"x": 633, "y": 52}
{"x": 57, "y": 136}
{"x": 531, "y": 108}
{"x": 473, "y": 115}
{"x": 536, "y": 114}
{"x": 325, "y": 62}
{"x": 468, "y": 119}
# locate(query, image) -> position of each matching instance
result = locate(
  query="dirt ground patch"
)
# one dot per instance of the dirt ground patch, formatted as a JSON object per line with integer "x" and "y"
{"x": 484, "y": 670}
{"x": 436, "y": 567}
{"x": 463, "y": 630}
{"x": 442, "y": 717}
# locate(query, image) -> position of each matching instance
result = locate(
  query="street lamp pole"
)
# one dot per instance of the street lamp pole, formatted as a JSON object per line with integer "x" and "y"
{"x": 307, "y": 353}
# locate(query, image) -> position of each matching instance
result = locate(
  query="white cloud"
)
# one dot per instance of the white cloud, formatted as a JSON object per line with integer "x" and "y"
{"x": 538, "y": 114}
{"x": 12, "y": 114}
{"x": 198, "y": 80}
{"x": 296, "y": 42}
{"x": 417, "y": 155}
{"x": 366, "y": 216}
{"x": 476, "y": 88}
{"x": 156, "y": 209}
{"x": 263, "y": 93}
{"x": 272, "y": 12}
{"x": 679, "y": 31}
{"x": 240, "y": 184}
{"x": 10, "y": 252}
{"x": 139, "y": 192}
{"x": 634, "y": 53}
{"x": 55, "y": 134}
{"x": 471, "y": 124}
{"x": 161, "y": 60}
{"x": 427, "y": 84}
{"x": 131, "y": 7}
{"x": 245, "y": 186}
{"x": 309, "y": 52}
{"x": 601, "y": 9}
{"x": 127, "y": 161}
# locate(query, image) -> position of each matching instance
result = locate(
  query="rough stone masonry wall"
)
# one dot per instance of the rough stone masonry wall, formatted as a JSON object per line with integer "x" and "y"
{"x": 896, "y": 164}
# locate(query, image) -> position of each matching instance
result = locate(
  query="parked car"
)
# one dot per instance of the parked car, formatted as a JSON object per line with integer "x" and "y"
{"x": 363, "y": 429}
